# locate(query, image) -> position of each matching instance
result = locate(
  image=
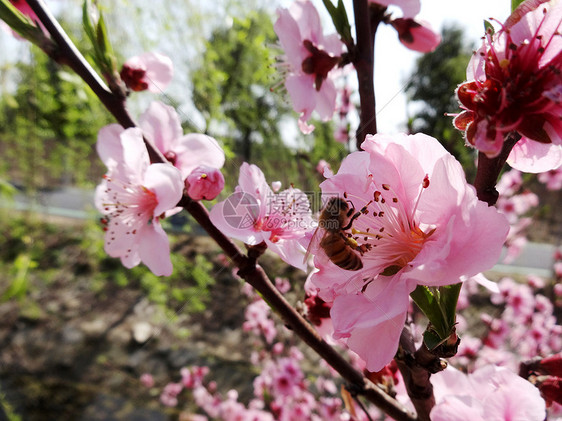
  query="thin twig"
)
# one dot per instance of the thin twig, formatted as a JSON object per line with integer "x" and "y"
{"x": 247, "y": 267}
{"x": 489, "y": 169}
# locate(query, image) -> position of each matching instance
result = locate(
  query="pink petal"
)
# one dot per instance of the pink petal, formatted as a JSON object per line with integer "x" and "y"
{"x": 304, "y": 127}
{"x": 154, "y": 249}
{"x": 303, "y": 94}
{"x": 290, "y": 252}
{"x": 161, "y": 124}
{"x": 109, "y": 146}
{"x": 534, "y": 157}
{"x": 252, "y": 180}
{"x": 288, "y": 32}
{"x": 165, "y": 181}
{"x": 326, "y": 100}
{"x": 159, "y": 71}
{"x": 454, "y": 408}
{"x": 308, "y": 19}
{"x": 135, "y": 155}
{"x": 372, "y": 329}
{"x": 444, "y": 253}
{"x": 196, "y": 149}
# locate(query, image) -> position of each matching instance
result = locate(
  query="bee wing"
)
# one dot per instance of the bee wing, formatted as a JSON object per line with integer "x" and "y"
{"x": 314, "y": 244}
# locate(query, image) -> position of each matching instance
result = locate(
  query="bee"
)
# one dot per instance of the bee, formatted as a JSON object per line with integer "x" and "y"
{"x": 337, "y": 217}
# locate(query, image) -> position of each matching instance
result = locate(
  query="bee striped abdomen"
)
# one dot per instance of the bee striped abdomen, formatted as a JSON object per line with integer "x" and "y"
{"x": 340, "y": 252}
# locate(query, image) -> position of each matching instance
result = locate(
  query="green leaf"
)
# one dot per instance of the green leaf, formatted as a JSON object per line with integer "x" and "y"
{"x": 339, "y": 17}
{"x": 86, "y": 20}
{"x": 96, "y": 30}
{"x": 21, "y": 23}
{"x": 488, "y": 27}
{"x": 104, "y": 46}
{"x": 431, "y": 339}
{"x": 439, "y": 305}
{"x": 449, "y": 296}
{"x": 515, "y": 4}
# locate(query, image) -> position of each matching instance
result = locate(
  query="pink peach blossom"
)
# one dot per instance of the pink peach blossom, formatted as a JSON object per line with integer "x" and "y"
{"x": 255, "y": 214}
{"x": 417, "y": 35}
{"x": 204, "y": 183}
{"x": 161, "y": 124}
{"x": 417, "y": 219}
{"x": 150, "y": 71}
{"x": 133, "y": 196}
{"x": 552, "y": 179}
{"x": 489, "y": 394}
{"x": 310, "y": 58}
{"x": 514, "y": 84}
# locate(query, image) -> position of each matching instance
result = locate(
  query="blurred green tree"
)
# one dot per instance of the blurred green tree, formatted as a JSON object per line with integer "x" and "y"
{"x": 232, "y": 88}
{"x": 433, "y": 83}
{"x": 48, "y": 126}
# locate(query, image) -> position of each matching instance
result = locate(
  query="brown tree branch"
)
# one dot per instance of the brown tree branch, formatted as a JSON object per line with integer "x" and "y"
{"x": 367, "y": 19}
{"x": 489, "y": 170}
{"x": 247, "y": 266}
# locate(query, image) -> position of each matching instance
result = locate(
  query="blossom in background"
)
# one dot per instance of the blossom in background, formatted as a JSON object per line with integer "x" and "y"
{"x": 515, "y": 84}
{"x": 416, "y": 34}
{"x": 490, "y": 393}
{"x": 552, "y": 179}
{"x": 161, "y": 124}
{"x": 418, "y": 218}
{"x": 323, "y": 167}
{"x": 310, "y": 57}
{"x": 133, "y": 196}
{"x": 149, "y": 71}
{"x": 255, "y": 214}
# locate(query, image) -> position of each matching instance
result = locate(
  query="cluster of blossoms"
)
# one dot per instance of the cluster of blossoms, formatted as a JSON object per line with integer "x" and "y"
{"x": 525, "y": 328}
{"x": 515, "y": 85}
{"x": 136, "y": 195}
{"x": 282, "y": 390}
{"x": 515, "y": 203}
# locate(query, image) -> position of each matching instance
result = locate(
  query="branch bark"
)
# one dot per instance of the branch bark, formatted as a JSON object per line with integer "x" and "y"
{"x": 489, "y": 169}
{"x": 367, "y": 19}
{"x": 247, "y": 265}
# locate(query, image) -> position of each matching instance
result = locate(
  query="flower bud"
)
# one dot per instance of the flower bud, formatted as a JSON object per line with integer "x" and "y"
{"x": 204, "y": 183}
